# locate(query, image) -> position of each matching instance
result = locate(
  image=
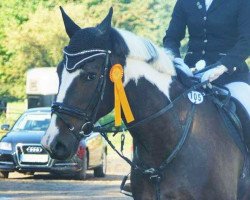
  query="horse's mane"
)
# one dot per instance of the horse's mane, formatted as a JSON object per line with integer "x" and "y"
{"x": 142, "y": 49}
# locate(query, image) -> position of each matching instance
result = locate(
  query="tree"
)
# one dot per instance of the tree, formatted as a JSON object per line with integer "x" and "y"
{"x": 34, "y": 35}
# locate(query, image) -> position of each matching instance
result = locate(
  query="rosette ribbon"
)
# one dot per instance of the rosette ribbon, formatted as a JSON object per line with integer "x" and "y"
{"x": 121, "y": 101}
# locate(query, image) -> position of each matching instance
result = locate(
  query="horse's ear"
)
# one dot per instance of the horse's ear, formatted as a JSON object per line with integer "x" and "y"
{"x": 105, "y": 25}
{"x": 70, "y": 26}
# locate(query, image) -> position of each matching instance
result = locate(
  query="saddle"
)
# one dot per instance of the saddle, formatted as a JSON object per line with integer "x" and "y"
{"x": 234, "y": 114}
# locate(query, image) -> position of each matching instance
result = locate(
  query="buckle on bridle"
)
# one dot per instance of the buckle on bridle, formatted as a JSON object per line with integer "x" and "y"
{"x": 86, "y": 129}
{"x": 154, "y": 175}
{"x": 156, "y": 178}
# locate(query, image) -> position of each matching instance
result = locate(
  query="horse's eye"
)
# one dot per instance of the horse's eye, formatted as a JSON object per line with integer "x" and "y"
{"x": 91, "y": 76}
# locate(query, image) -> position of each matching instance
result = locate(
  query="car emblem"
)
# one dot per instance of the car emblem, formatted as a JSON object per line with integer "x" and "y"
{"x": 34, "y": 149}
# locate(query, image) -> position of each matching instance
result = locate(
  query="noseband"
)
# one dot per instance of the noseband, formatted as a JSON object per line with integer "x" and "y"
{"x": 87, "y": 115}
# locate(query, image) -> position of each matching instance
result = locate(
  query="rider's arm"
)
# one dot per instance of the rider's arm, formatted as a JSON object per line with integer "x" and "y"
{"x": 176, "y": 30}
{"x": 241, "y": 51}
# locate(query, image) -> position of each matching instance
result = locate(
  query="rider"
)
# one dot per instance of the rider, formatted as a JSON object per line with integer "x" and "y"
{"x": 219, "y": 36}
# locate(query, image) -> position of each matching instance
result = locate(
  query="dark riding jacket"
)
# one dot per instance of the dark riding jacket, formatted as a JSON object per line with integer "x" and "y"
{"x": 221, "y": 33}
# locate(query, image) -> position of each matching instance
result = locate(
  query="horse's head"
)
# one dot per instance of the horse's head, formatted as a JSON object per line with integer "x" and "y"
{"x": 83, "y": 78}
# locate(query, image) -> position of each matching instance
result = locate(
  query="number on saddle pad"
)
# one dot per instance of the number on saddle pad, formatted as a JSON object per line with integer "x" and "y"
{"x": 195, "y": 97}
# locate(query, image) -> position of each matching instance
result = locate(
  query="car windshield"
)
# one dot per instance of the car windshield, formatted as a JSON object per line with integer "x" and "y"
{"x": 33, "y": 122}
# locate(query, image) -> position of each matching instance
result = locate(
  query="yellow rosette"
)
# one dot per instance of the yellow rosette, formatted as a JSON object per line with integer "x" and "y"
{"x": 121, "y": 101}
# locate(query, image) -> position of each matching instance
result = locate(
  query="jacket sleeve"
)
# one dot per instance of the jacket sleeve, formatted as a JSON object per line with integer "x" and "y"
{"x": 176, "y": 30}
{"x": 241, "y": 51}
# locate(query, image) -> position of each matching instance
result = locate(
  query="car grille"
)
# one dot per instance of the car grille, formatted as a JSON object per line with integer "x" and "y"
{"x": 32, "y": 155}
{"x": 6, "y": 158}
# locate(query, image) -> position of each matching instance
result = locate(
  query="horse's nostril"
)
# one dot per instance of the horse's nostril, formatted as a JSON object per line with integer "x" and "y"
{"x": 59, "y": 147}
{"x": 60, "y": 151}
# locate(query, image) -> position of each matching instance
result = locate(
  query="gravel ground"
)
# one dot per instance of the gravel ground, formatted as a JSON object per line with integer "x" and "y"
{"x": 46, "y": 186}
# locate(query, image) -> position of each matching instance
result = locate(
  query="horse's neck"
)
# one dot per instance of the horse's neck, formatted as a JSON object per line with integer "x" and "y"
{"x": 154, "y": 140}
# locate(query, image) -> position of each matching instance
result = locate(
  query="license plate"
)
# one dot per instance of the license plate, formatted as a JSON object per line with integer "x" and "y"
{"x": 34, "y": 158}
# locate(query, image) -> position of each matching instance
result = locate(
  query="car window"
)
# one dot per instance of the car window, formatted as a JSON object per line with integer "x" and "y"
{"x": 33, "y": 122}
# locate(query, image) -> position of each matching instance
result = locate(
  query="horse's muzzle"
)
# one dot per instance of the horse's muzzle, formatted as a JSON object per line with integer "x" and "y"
{"x": 56, "y": 149}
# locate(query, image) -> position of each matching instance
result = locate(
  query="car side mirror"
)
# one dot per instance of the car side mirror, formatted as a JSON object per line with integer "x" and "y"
{"x": 5, "y": 127}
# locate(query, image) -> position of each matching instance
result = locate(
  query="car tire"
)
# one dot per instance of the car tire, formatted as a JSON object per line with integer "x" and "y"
{"x": 101, "y": 170}
{"x": 4, "y": 174}
{"x": 82, "y": 174}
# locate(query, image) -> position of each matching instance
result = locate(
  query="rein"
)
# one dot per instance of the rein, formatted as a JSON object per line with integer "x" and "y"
{"x": 151, "y": 117}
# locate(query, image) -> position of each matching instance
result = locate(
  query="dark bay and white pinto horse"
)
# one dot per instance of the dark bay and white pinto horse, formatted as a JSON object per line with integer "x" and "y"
{"x": 208, "y": 166}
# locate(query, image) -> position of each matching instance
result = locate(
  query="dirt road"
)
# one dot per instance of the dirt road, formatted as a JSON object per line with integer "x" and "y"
{"x": 46, "y": 186}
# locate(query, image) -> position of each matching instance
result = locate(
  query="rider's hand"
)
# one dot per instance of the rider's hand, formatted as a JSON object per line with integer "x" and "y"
{"x": 214, "y": 73}
{"x": 179, "y": 63}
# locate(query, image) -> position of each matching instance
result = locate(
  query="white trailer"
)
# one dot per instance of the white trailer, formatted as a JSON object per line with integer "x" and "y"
{"x": 41, "y": 86}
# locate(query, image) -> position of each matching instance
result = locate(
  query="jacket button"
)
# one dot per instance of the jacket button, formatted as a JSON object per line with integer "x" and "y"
{"x": 205, "y": 30}
{"x": 205, "y": 41}
{"x": 199, "y": 5}
{"x": 234, "y": 69}
{"x": 205, "y": 18}
{"x": 203, "y": 52}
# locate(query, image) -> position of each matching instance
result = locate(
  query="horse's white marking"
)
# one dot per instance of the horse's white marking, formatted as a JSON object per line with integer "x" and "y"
{"x": 137, "y": 45}
{"x": 157, "y": 72}
{"x": 137, "y": 69}
{"x": 66, "y": 80}
{"x": 241, "y": 91}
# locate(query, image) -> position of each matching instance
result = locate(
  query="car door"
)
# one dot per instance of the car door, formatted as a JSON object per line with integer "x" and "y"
{"x": 95, "y": 148}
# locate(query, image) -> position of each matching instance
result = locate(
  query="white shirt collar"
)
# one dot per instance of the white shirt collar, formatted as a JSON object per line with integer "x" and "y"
{"x": 208, "y": 3}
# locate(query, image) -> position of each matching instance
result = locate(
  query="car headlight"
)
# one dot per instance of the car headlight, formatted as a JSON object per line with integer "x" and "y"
{"x": 5, "y": 146}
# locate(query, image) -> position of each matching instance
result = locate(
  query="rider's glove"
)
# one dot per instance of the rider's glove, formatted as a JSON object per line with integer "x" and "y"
{"x": 214, "y": 73}
{"x": 179, "y": 63}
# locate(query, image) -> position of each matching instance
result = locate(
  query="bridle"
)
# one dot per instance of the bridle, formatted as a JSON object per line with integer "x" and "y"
{"x": 88, "y": 115}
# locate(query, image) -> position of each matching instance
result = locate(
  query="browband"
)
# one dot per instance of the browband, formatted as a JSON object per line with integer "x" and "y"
{"x": 91, "y": 54}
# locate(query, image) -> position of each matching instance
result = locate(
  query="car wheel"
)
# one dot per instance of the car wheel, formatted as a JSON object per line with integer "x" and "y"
{"x": 4, "y": 174}
{"x": 101, "y": 170}
{"x": 82, "y": 174}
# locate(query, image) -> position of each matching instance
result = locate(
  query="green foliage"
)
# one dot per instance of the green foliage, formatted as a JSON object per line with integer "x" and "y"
{"x": 116, "y": 141}
{"x": 32, "y": 32}
{"x": 108, "y": 118}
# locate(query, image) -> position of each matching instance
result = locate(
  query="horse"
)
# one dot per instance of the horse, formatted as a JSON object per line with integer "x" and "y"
{"x": 206, "y": 165}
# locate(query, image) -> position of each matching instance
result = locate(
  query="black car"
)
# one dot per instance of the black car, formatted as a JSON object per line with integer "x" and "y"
{"x": 20, "y": 149}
